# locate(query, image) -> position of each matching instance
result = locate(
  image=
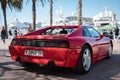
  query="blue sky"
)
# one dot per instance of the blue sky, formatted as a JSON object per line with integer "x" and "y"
{"x": 89, "y": 9}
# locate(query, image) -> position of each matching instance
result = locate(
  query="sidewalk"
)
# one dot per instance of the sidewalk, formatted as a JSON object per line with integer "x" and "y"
{"x": 4, "y": 46}
{"x": 116, "y": 46}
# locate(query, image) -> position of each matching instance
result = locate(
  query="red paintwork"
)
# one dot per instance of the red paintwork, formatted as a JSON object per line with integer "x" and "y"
{"x": 65, "y": 57}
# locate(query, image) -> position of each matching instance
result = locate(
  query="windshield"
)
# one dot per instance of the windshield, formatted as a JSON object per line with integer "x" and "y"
{"x": 58, "y": 31}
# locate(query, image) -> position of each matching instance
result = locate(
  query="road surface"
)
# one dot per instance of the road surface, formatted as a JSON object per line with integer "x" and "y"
{"x": 106, "y": 69}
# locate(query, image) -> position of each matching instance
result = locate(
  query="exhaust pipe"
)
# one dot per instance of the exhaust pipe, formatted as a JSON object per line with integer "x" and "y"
{"x": 51, "y": 63}
{"x": 18, "y": 59}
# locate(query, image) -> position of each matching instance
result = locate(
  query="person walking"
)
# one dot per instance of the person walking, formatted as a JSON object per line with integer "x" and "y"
{"x": 111, "y": 34}
{"x": 15, "y": 32}
{"x": 10, "y": 33}
{"x": 116, "y": 33}
{"x": 3, "y": 34}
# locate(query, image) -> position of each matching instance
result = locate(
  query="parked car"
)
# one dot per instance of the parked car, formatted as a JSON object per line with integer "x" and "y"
{"x": 76, "y": 47}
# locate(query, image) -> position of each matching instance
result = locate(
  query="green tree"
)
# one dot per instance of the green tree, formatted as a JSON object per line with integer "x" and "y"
{"x": 79, "y": 12}
{"x": 16, "y": 4}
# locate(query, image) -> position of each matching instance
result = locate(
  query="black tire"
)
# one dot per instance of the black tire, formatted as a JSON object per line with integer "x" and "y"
{"x": 84, "y": 61}
{"x": 110, "y": 51}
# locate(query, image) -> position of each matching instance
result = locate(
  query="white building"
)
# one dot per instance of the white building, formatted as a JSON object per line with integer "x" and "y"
{"x": 104, "y": 18}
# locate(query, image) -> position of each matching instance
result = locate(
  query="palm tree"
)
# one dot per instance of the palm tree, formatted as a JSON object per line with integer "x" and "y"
{"x": 51, "y": 12}
{"x": 34, "y": 12}
{"x": 3, "y": 6}
{"x": 16, "y": 4}
{"x": 79, "y": 12}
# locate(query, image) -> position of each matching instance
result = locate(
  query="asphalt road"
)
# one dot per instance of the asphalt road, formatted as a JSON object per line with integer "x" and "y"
{"x": 106, "y": 69}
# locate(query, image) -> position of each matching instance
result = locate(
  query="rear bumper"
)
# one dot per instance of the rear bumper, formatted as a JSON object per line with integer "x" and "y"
{"x": 59, "y": 56}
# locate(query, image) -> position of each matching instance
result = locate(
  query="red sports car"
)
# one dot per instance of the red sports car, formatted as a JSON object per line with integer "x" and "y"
{"x": 75, "y": 47}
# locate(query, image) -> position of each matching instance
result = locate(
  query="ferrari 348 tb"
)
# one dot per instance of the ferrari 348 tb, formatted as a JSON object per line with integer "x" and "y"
{"x": 76, "y": 47}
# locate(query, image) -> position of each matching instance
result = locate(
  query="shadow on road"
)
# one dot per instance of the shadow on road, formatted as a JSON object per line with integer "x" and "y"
{"x": 7, "y": 66}
{"x": 106, "y": 69}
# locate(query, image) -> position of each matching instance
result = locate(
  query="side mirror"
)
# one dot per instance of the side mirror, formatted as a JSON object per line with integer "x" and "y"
{"x": 102, "y": 34}
{"x": 100, "y": 37}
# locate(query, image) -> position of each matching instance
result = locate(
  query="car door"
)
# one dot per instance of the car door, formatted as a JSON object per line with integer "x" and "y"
{"x": 97, "y": 40}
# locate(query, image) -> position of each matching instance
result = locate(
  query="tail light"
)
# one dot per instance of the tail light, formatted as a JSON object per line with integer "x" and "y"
{"x": 16, "y": 42}
{"x": 41, "y": 43}
{"x": 63, "y": 44}
{"x": 53, "y": 43}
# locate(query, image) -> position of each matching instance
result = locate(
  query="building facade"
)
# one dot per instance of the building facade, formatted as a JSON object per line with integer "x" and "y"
{"x": 104, "y": 18}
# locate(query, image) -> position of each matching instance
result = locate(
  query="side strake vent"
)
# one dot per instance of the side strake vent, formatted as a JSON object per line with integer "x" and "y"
{"x": 41, "y": 43}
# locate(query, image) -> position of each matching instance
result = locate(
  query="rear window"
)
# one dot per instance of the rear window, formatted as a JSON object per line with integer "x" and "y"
{"x": 52, "y": 31}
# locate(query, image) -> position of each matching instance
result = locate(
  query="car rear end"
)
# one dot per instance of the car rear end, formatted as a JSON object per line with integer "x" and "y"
{"x": 44, "y": 51}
